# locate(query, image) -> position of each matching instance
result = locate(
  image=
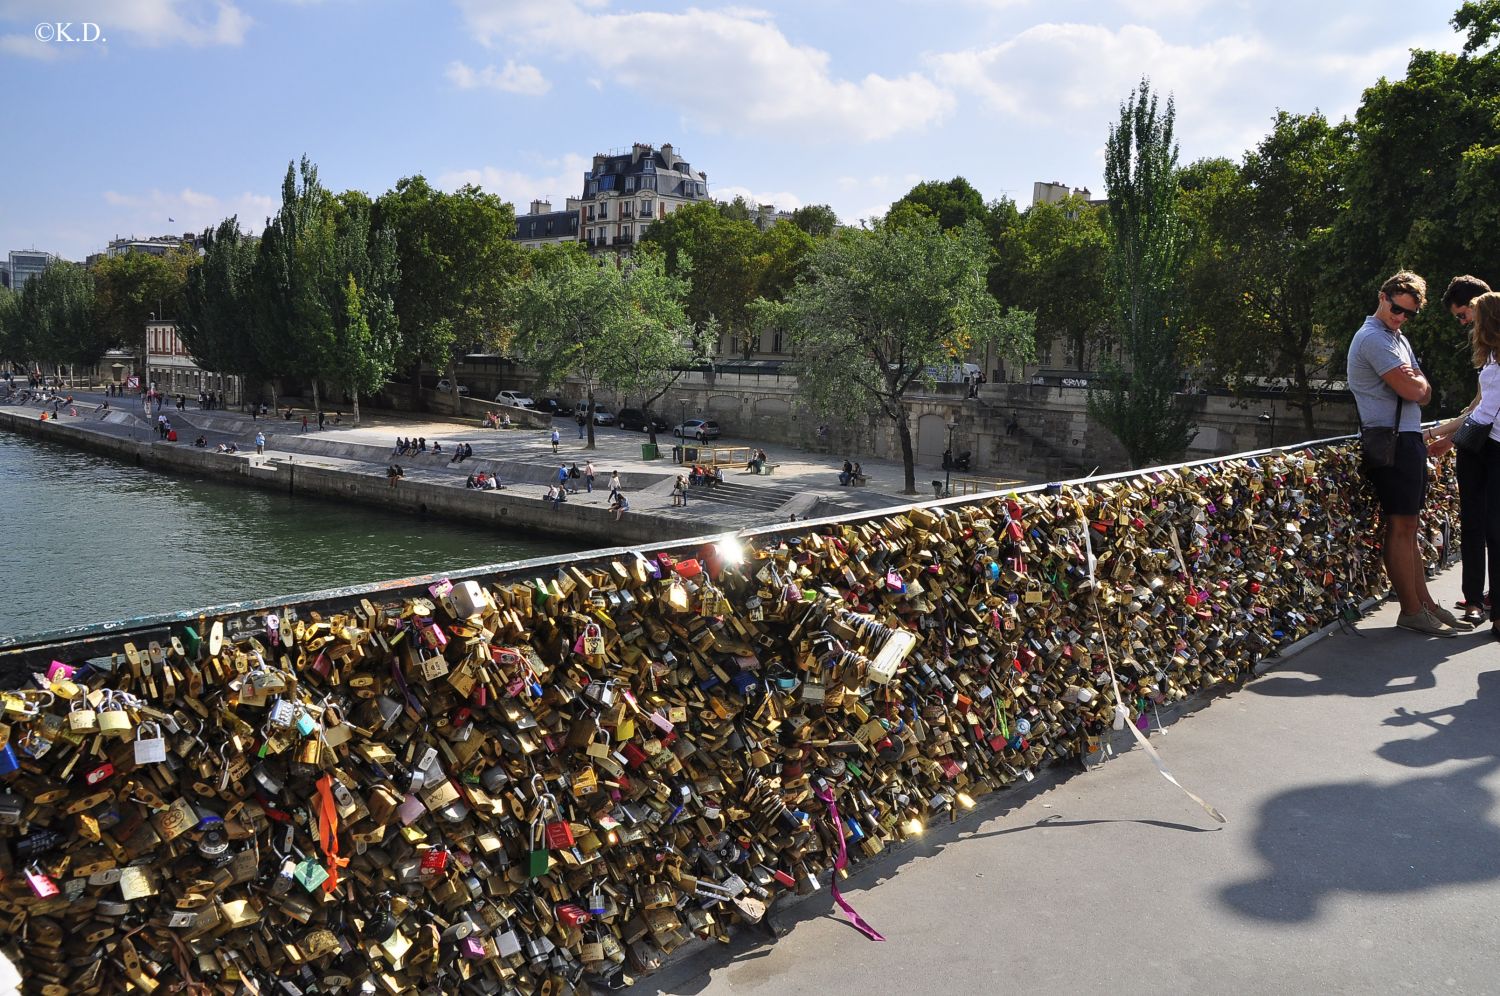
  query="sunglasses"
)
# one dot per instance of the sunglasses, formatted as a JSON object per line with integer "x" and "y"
{"x": 1408, "y": 312}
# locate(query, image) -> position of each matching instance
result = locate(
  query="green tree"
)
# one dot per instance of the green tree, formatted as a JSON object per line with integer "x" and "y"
{"x": 12, "y": 346}
{"x": 1263, "y": 260}
{"x": 132, "y": 287}
{"x": 721, "y": 258}
{"x": 1138, "y": 405}
{"x": 457, "y": 259}
{"x": 953, "y": 203}
{"x": 879, "y": 306}
{"x": 1057, "y": 263}
{"x": 1423, "y": 190}
{"x": 56, "y": 319}
{"x": 817, "y": 220}
{"x": 218, "y": 327}
{"x": 360, "y": 292}
{"x": 293, "y": 324}
{"x": 609, "y": 322}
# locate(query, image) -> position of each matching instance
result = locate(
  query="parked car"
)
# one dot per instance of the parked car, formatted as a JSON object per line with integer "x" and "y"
{"x": 603, "y": 417}
{"x": 445, "y": 386}
{"x": 701, "y": 429}
{"x": 640, "y": 418}
{"x": 515, "y": 398}
{"x": 554, "y": 406}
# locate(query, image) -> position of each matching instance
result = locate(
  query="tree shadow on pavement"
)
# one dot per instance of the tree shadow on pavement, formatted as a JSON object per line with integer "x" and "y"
{"x": 1367, "y": 838}
{"x": 1382, "y": 662}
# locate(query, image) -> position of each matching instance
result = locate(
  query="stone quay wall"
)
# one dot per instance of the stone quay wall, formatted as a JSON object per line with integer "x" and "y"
{"x": 515, "y": 775}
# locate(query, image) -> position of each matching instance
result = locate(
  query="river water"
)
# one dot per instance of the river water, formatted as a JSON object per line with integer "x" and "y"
{"x": 87, "y": 539}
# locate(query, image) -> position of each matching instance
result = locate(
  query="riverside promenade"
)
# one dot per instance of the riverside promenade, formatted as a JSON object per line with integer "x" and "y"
{"x": 1359, "y": 778}
{"x": 350, "y": 464}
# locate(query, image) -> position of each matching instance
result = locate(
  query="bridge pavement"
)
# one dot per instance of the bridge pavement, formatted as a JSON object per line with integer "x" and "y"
{"x": 1361, "y": 854}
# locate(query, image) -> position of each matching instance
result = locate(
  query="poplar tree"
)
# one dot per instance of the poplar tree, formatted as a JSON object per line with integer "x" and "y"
{"x": 1138, "y": 403}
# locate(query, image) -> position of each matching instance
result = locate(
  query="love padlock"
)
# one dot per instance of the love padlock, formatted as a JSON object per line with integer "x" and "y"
{"x": 571, "y": 914}
{"x": 593, "y": 640}
{"x": 152, "y": 748}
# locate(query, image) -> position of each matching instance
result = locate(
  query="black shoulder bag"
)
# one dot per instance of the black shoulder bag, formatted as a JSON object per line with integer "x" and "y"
{"x": 1377, "y": 444}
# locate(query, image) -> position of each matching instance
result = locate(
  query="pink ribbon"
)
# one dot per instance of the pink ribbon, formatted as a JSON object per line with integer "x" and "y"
{"x": 839, "y": 864}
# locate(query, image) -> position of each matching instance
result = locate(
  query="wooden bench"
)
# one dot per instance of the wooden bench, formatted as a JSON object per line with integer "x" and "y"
{"x": 859, "y": 482}
{"x": 767, "y": 469}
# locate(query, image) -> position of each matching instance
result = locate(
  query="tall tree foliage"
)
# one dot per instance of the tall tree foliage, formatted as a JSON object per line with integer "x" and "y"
{"x": 878, "y": 307}
{"x": 718, "y": 252}
{"x": 458, "y": 261}
{"x": 1424, "y": 190}
{"x": 55, "y": 318}
{"x": 132, "y": 287}
{"x": 608, "y": 322}
{"x": 293, "y": 324}
{"x": 817, "y": 220}
{"x": 218, "y": 327}
{"x": 1056, "y": 259}
{"x": 360, "y": 290}
{"x": 1263, "y": 263}
{"x": 1138, "y": 404}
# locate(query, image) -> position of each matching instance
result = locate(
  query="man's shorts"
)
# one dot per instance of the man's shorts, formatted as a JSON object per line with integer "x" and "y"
{"x": 1402, "y": 487}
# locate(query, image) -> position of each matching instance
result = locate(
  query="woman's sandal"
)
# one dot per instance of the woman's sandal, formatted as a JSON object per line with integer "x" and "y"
{"x": 1474, "y": 615}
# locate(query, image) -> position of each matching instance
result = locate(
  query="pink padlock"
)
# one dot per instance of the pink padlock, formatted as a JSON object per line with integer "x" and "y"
{"x": 471, "y": 947}
{"x": 58, "y": 671}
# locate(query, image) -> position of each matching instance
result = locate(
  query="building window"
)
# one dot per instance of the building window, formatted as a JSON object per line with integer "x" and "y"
{"x": 604, "y": 209}
{"x": 629, "y": 183}
{"x": 776, "y": 342}
{"x": 625, "y": 232}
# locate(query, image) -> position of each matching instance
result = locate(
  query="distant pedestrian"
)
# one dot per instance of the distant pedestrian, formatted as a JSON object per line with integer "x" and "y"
{"x": 260, "y": 442}
{"x": 588, "y": 476}
{"x": 679, "y": 491}
{"x": 556, "y": 439}
{"x": 304, "y": 423}
{"x": 321, "y": 418}
{"x": 562, "y": 475}
{"x": 583, "y": 420}
{"x": 614, "y": 484}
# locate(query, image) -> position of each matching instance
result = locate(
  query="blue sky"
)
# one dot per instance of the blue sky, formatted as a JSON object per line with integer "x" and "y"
{"x": 191, "y": 109}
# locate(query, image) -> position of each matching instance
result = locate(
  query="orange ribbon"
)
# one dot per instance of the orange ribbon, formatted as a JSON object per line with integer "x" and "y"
{"x": 328, "y": 832}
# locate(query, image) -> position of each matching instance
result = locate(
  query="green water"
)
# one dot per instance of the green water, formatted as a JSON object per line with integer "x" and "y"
{"x": 86, "y": 539}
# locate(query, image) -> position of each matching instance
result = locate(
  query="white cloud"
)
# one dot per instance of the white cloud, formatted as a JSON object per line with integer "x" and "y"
{"x": 513, "y": 78}
{"x": 27, "y": 47}
{"x": 559, "y": 179}
{"x": 142, "y": 22}
{"x": 145, "y": 213}
{"x": 725, "y": 70}
{"x": 862, "y": 198}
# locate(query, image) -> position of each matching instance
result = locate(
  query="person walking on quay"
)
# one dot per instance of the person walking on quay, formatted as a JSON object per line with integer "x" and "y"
{"x": 583, "y": 420}
{"x": 588, "y": 476}
{"x": 556, "y": 439}
{"x": 304, "y": 423}
{"x": 260, "y": 442}
{"x": 614, "y": 484}
{"x": 562, "y": 476}
{"x": 1389, "y": 390}
{"x": 321, "y": 419}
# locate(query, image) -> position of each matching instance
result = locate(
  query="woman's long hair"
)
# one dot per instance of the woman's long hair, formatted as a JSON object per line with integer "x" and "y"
{"x": 1486, "y": 334}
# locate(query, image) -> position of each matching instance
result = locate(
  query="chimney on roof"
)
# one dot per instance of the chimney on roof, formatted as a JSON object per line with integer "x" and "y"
{"x": 540, "y": 207}
{"x": 637, "y": 150}
{"x": 666, "y": 154}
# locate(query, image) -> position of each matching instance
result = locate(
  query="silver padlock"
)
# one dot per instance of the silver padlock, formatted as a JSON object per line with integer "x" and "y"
{"x": 152, "y": 748}
{"x": 281, "y": 714}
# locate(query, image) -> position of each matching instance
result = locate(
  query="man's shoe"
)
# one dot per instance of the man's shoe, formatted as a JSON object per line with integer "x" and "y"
{"x": 1424, "y": 622}
{"x": 1449, "y": 619}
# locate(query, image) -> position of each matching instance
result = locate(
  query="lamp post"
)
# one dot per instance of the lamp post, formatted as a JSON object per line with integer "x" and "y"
{"x": 948, "y": 464}
{"x": 1270, "y": 417}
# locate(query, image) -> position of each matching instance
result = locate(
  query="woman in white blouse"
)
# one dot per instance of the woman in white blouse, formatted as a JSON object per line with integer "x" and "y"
{"x": 1485, "y": 338}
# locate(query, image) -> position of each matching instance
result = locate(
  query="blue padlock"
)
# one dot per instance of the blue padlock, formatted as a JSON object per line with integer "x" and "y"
{"x": 9, "y": 763}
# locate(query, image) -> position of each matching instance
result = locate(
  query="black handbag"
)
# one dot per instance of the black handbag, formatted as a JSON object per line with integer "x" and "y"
{"x": 1472, "y": 435}
{"x": 1377, "y": 444}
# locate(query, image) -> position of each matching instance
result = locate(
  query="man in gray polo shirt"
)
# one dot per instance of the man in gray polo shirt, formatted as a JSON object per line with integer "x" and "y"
{"x": 1382, "y": 370}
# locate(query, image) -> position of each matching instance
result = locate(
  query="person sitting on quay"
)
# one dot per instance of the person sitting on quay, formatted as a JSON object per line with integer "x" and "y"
{"x": 489, "y": 421}
{"x": 492, "y": 483}
{"x": 437, "y": 447}
{"x": 619, "y": 504}
{"x": 471, "y": 482}
{"x": 858, "y": 477}
{"x": 556, "y": 496}
{"x": 757, "y": 462}
{"x": 846, "y": 475}
{"x": 505, "y": 422}
{"x": 695, "y": 476}
{"x": 716, "y": 475}
{"x": 228, "y": 448}
{"x": 394, "y": 473}
{"x": 201, "y": 442}
{"x": 421, "y": 444}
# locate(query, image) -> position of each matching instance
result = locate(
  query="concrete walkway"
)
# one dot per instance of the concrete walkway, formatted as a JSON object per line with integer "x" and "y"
{"x": 1361, "y": 854}
{"x": 803, "y": 484}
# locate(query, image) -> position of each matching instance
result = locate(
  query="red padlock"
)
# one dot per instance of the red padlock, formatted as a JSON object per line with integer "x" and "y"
{"x": 559, "y": 835}
{"x": 97, "y": 775}
{"x": 571, "y": 914}
{"x": 435, "y": 861}
{"x": 634, "y": 756}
